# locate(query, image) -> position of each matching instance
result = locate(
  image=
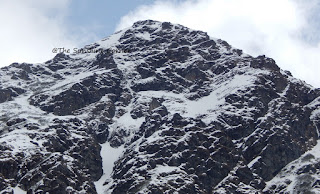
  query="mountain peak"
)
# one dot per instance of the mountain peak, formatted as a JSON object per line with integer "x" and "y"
{"x": 153, "y": 108}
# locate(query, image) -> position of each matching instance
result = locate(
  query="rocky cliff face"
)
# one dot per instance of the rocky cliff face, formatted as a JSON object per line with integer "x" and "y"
{"x": 172, "y": 110}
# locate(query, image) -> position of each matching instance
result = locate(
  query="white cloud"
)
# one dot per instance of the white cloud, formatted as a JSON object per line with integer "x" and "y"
{"x": 31, "y": 29}
{"x": 276, "y": 28}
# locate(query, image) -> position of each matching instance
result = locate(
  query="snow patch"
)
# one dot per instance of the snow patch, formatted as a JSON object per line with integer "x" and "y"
{"x": 111, "y": 40}
{"x": 254, "y": 161}
{"x": 17, "y": 190}
{"x": 109, "y": 156}
{"x": 206, "y": 107}
{"x": 144, "y": 35}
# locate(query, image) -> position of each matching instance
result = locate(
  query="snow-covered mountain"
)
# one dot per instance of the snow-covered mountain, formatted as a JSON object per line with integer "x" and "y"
{"x": 157, "y": 108}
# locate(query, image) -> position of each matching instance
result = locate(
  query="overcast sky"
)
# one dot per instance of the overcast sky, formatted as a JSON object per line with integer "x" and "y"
{"x": 286, "y": 30}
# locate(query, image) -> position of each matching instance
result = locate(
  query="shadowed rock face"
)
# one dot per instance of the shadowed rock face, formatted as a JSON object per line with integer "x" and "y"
{"x": 193, "y": 114}
{"x": 7, "y": 94}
